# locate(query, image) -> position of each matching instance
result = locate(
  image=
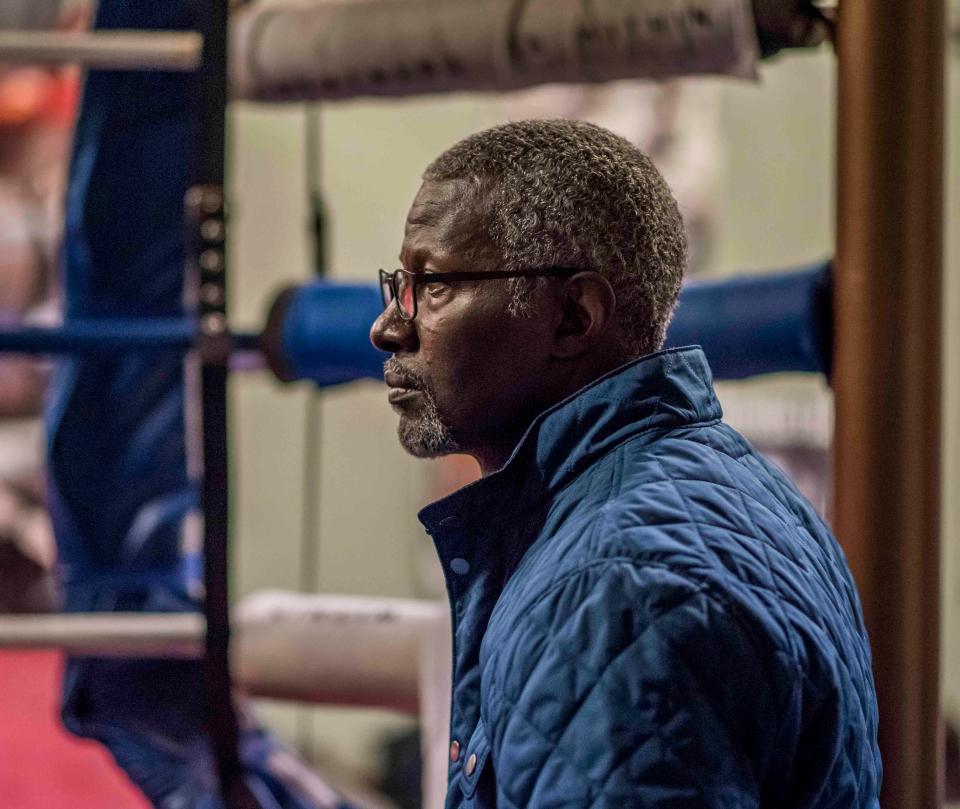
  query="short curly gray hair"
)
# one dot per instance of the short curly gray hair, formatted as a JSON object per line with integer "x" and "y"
{"x": 572, "y": 194}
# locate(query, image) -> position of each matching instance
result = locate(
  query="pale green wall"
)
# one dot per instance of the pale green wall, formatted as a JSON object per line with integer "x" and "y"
{"x": 776, "y": 210}
{"x": 777, "y": 205}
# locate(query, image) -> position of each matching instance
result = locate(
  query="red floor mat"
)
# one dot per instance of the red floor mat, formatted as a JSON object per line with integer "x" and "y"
{"x": 41, "y": 765}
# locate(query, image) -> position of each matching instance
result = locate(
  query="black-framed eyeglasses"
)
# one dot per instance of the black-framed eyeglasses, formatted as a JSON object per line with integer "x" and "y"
{"x": 400, "y": 286}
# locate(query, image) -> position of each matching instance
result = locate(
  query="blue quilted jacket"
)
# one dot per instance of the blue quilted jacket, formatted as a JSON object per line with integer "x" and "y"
{"x": 648, "y": 614}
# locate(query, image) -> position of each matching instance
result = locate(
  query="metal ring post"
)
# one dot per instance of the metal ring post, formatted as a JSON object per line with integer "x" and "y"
{"x": 887, "y": 349}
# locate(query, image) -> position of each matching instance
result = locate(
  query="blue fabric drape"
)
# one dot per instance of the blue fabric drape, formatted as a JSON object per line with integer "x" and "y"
{"x": 118, "y": 483}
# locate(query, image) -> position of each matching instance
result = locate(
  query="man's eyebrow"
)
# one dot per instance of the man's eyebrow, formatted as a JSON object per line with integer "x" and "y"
{"x": 416, "y": 256}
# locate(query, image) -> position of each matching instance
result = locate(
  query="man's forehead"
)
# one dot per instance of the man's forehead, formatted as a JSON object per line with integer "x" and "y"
{"x": 437, "y": 202}
{"x": 443, "y": 221}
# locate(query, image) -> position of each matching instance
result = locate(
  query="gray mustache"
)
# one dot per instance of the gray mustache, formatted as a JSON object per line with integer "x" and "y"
{"x": 410, "y": 379}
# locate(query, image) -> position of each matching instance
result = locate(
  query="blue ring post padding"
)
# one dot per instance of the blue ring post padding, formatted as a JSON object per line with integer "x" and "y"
{"x": 326, "y": 331}
{"x": 759, "y": 324}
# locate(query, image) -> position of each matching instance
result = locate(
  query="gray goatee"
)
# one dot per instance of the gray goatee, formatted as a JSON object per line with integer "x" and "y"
{"x": 423, "y": 434}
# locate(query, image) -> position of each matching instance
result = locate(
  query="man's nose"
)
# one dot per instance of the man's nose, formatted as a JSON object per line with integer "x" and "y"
{"x": 393, "y": 334}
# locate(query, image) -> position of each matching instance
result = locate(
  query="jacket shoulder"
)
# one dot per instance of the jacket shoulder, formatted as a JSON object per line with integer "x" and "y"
{"x": 616, "y": 671}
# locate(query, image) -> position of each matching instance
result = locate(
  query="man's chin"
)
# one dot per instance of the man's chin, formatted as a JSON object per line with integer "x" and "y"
{"x": 425, "y": 440}
{"x": 421, "y": 451}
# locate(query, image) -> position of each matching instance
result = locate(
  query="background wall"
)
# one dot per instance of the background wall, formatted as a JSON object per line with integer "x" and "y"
{"x": 775, "y": 210}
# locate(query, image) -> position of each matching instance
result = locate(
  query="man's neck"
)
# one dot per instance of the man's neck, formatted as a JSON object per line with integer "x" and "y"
{"x": 496, "y": 450}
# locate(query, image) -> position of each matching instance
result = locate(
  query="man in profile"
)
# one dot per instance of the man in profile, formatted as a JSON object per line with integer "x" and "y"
{"x": 646, "y": 613}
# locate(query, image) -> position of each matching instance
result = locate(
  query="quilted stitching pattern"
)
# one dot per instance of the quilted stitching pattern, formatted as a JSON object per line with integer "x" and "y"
{"x": 665, "y": 622}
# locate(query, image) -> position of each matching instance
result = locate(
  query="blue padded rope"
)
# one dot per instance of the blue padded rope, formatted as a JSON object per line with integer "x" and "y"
{"x": 750, "y": 325}
{"x": 747, "y": 325}
{"x": 759, "y": 324}
{"x": 321, "y": 331}
{"x": 101, "y": 335}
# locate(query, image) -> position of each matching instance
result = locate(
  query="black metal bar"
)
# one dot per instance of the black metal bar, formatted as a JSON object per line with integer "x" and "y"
{"x": 206, "y": 222}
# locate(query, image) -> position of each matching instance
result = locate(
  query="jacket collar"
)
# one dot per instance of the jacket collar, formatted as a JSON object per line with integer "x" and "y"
{"x": 662, "y": 391}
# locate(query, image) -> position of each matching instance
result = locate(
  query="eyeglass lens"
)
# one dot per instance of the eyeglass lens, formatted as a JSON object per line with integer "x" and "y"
{"x": 405, "y": 295}
{"x": 386, "y": 288}
{"x": 399, "y": 286}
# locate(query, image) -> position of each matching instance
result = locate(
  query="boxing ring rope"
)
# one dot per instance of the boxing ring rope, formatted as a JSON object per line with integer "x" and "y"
{"x": 386, "y": 653}
{"x": 308, "y": 51}
{"x": 105, "y": 50}
{"x": 102, "y": 335}
{"x": 108, "y": 634}
{"x": 887, "y": 366}
{"x": 349, "y": 650}
{"x": 749, "y": 325}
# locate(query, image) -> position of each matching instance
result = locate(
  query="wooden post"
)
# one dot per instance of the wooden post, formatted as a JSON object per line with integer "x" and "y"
{"x": 887, "y": 365}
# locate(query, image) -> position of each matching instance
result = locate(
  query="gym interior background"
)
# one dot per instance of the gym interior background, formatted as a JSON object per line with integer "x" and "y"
{"x": 768, "y": 203}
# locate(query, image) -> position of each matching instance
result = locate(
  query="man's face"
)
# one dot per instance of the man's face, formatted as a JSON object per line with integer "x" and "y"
{"x": 465, "y": 375}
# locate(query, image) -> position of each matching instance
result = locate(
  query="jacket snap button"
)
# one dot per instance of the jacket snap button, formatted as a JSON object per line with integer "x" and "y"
{"x": 454, "y": 750}
{"x": 460, "y": 566}
{"x": 471, "y": 764}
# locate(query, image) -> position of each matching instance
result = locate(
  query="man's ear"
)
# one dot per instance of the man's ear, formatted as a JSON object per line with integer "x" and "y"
{"x": 587, "y": 303}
